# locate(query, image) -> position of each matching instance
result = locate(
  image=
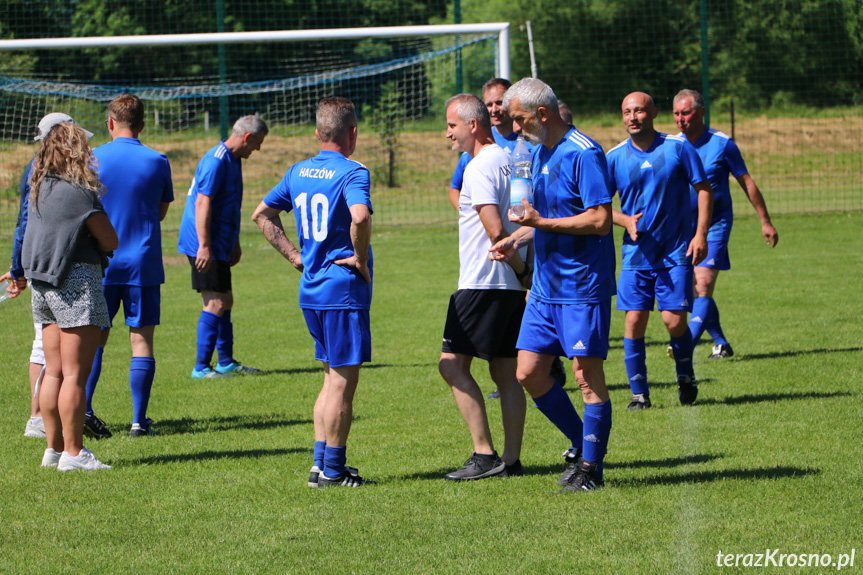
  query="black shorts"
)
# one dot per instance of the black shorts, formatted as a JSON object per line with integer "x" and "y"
{"x": 217, "y": 278}
{"x": 483, "y": 323}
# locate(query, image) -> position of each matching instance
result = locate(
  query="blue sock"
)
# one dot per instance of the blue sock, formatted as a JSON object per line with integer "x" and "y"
{"x": 334, "y": 461}
{"x": 225, "y": 341}
{"x": 320, "y": 446}
{"x": 699, "y": 318}
{"x": 208, "y": 330}
{"x": 95, "y": 372}
{"x": 635, "y": 359}
{"x": 558, "y": 408}
{"x": 713, "y": 327}
{"x": 597, "y": 429}
{"x": 141, "y": 373}
{"x": 682, "y": 347}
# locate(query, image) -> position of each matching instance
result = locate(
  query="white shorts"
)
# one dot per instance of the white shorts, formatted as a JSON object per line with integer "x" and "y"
{"x": 37, "y": 355}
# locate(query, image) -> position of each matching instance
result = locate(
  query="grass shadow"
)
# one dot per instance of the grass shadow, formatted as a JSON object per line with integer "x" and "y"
{"x": 557, "y": 469}
{"x": 771, "y": 397}
{"x": 206, "y": 425}
{"x": 776, "y": 354}
{"x": 625, "y": 386}
{"x": 213, "y": 455}
{"x": 768, "y": 473}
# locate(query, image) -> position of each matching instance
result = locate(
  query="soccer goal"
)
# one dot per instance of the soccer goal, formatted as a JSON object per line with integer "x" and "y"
{"x": 195, "y": 85}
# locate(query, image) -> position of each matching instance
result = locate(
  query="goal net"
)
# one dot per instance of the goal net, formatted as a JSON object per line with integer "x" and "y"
{"x": 398, "y": 81}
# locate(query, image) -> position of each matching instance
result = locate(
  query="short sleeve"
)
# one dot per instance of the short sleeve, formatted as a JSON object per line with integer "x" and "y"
{"x": 168, "y": 183}
{"x": 734, "y": 160}
{"x": 458, "y": 174}
{"x": 210, "y": 177}
{"x": 592, "y": 178}
{"x": 279, "y": 198}
{"x": 357, "y": 188}
{"x": 692, "y": 164}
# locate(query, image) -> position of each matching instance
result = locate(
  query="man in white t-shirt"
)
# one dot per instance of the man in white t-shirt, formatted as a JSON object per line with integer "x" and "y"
{"x": 485, "y": 313}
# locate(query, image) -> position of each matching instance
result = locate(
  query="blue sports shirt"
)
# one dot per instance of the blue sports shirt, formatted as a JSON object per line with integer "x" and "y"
{"x": 656, "y": 183}
{"x": 508, "y": 144}
{"x": 320, "y": 191}
{"x": 137, "y": 181}
{"x": 721, "y": 158}
{"x": 218, "y": 175}
{"x": 567, "y": 180}
{"x": 17, "y": 270}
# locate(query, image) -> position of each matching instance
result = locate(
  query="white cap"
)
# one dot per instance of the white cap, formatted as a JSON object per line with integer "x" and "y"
{"x": 51, "y": 120}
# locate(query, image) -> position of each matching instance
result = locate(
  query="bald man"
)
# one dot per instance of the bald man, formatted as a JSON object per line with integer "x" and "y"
{"x": 652, "y": 172}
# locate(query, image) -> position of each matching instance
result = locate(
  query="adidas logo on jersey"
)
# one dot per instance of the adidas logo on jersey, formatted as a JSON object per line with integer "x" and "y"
{"x": 545, "y": 169}
{"x": 579, "y": 345}
{"x": 646, "y": 165}
{"x": 591, "y": 438}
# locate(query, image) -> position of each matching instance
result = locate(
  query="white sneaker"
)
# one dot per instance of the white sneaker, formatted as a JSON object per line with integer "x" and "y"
{"x": 35, "y": 427}
{"x": 85, "y": 461}
{"x": 51, "y": 458}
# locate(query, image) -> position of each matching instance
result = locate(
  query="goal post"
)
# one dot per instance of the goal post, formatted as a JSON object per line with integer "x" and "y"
{"x": 399, "y": 78}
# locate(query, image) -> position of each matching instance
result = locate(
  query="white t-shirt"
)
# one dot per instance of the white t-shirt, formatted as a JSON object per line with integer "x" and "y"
{"x": 486, "y": 181}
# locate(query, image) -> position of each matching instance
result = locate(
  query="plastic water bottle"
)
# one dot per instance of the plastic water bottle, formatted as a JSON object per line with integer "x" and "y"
{"x": 521, "y": 183}
{"x": 3, "y": 293}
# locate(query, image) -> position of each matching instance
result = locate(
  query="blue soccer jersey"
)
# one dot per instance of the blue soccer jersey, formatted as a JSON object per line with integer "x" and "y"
{"x": 137, "y": 181}
{"x": 656, "y": 184}
{"x": 218, "y": 175}
{"x": 507, "y": 143}
{"x": 320, "y": 191}
{"x": 721, "y": 158}
{"x": 567, "y": 180}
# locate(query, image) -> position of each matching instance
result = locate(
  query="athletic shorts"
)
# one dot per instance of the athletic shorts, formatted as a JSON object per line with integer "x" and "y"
{"x": 572, "y": 330}
{"x": 342, "y": 337}
{"x": 37, "y": 355}
{"x": 140, "y": 304}
{"x": 483, "y": 323}
{"x": 78, "y": 301}
{"x": 217, "y": 278}
{"x": 717, "y": 256}
{"x": 671, "y": 287}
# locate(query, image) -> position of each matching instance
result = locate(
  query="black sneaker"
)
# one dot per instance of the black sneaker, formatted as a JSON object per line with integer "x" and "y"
{"x": 347, "y": 479}
{"x": 314, "y": 476}
{"x": 583, "y": 478}
{"x": 558, "y": 372}
{"x": 478, "y": 467}
{"x": 720, "y": 351}
{"x": 94, "y": 428}
{"x": 639, "y": 401}
{"x": 514, "y": 470}
{"x": 687, "y": 389}
{"x": 141, "y": 430}
{"x": 494, "y": 394}
{"x": 571, "y": 455}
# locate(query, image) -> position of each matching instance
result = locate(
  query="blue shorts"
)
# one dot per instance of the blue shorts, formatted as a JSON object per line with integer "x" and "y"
{"x": 571, "y": 330}
{"x": 342, "y": 337}
{"x": 717, "y": 256}
{"x": 671, "y": 287}
{"x": 141, "y": 304}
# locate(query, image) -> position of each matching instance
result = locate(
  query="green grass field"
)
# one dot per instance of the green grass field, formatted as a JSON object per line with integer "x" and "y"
{"x": 769, "y": 457}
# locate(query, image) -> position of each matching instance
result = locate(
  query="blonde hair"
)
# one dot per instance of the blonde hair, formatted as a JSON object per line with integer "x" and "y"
{"x": 65, "y": 153}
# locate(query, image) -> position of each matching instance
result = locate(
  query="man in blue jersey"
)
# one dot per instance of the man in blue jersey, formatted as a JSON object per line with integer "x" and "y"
{"x": 138, "y": 192}
{"x": 34, "y": 427}
{"x": 721, "y": 158}
{"x": 210, "y": 238}
{"x": 569, "y": 308}
{"x": 505, "y": 135}
{"x": 485, "y": 313}
{"x": 653, "y": 172}
{"x": 330, "y": 197}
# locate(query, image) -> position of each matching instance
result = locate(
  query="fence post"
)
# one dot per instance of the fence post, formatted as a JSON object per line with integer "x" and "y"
{"x": 705, "y": 68}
